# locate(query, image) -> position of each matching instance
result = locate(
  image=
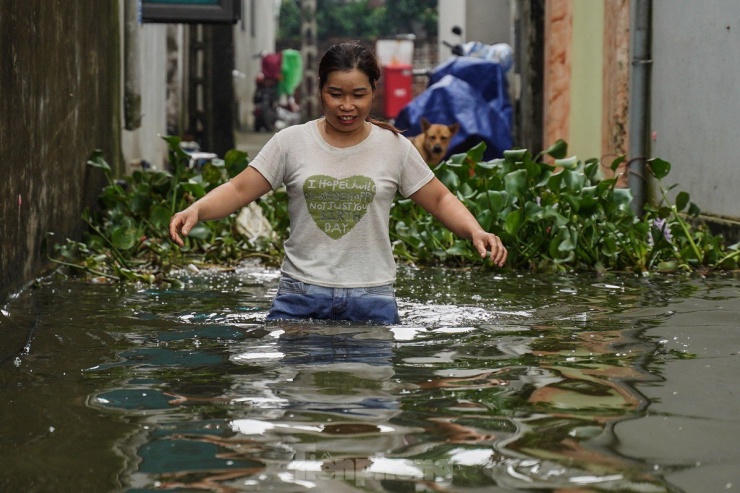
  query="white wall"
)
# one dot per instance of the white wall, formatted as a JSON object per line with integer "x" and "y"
{"x": 695, "y": 100}
{"x": 255, "y": 33}
{"x": 450, "y": 13}
{"x": 144, "y": 143}
{"x": 587, "y": 79}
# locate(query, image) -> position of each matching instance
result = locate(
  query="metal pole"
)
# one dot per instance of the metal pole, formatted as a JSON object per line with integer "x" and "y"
{"x": 131, "y": 75}
{"x": 309, "y": 51}
{"x": 639, "y": 108}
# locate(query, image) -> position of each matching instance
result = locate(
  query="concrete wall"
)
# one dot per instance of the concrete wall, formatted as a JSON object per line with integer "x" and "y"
{"x": 694, "y": 99}
{"x": 60, "y": 87}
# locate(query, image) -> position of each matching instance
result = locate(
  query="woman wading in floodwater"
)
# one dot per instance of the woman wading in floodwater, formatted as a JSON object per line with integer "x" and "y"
{"x": 341, "y": 173}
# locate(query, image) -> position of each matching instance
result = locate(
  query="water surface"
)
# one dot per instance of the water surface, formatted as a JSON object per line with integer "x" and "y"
{"x": 510, "y": 382}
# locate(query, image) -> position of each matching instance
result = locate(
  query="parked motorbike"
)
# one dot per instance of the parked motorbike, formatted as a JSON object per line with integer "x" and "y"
{"x": 471, "y": 89}
{"x": 265, "y": 97}
{"x": 274, "y": 104}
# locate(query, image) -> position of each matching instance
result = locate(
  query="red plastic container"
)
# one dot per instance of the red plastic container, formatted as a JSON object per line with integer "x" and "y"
{"x": 398, "y": 80}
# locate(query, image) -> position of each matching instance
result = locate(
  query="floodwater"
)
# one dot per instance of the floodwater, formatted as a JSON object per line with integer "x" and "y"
{"x": 493, "y": 382}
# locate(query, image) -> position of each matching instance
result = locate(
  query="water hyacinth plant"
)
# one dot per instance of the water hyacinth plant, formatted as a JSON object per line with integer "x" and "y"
{"x": 128, "y": 236}
{"x": 559, "y": 216}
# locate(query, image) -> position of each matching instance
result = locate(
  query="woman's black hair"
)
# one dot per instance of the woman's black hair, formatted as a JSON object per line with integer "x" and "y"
{"x": 349, "y": 56}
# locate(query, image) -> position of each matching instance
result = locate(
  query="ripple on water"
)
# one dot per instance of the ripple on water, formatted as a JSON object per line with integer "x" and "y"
{"x": 503, "y": 381}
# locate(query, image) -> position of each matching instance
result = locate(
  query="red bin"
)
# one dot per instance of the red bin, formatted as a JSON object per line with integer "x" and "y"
{"x": 398, "y": 80}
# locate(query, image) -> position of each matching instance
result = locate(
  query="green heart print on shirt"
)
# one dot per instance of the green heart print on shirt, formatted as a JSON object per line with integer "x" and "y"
{"x": 337, "y": 205}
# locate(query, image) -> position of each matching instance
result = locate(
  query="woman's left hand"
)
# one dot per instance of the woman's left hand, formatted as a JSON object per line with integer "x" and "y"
{"x": 485, "y": 242}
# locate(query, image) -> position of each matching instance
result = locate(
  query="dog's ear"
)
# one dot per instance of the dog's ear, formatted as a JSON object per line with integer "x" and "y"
{"x": 424, "y": 124}
{"x": 454, "y": 128}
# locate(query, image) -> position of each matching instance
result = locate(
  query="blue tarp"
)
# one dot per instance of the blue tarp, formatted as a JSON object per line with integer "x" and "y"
{"x": 472, "y": 92}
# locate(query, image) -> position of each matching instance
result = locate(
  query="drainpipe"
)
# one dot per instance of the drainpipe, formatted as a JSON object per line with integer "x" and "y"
{"x": 639, "y": 100}
{"x": 131, "y": 72}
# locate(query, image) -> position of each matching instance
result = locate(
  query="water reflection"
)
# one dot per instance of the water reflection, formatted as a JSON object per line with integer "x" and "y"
{"x": 509, "y": 383}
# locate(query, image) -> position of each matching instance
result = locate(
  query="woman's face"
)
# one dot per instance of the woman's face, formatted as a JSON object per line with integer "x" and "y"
{"x": 347, "y": 98}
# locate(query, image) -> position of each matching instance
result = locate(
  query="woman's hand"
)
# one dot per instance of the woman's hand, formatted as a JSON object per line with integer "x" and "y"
{"x": 246, "y": 187}
{"x": 181, "y": 224}
{"x": 436, "y": 199}
{"x": 485, "y": 242}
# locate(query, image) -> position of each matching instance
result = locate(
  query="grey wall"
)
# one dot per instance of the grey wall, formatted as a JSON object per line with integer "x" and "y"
{"x": 695, "y": 101}
{"x": 59, "y": 100}
{"x": 487, "y": 21}
{"x": 494, "y": 26}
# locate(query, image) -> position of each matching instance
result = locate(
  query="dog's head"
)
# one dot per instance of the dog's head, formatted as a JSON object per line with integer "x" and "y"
{"x": 437, "y": 137}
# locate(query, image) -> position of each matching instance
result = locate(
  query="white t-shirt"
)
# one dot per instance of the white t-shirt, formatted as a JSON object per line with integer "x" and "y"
{"x": 339, "y": 202}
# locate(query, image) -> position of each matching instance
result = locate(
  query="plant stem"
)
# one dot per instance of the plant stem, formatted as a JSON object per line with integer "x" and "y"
{"x": 682, "y": 223}
{"x": 83, "y": 267}
{"x": 118, "y": 256}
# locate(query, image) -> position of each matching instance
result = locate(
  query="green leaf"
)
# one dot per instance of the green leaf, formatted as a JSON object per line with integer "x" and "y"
{"x": 211, "y": 174}
{"x": 559, "y": 219}
{"x": 664, "y": 212}
{"x": 457, "y": 158}
{"x": 588, "y": 204}
{"x": 449, "y": 178}
{"x": 570, "y": 163}
{"x": 514, "y": 221}
{"x": 160, "y": 217}
{"x": 558, "y": 150}
{"x": 141, "y": 201}
{"x": 545, "y": 176}
{"x": 466, "y": 190}
{"x": 476, "y": 153}
{"x": 573, "y": 180}
{"x": 515, "y": 155}
{"x": 96, "y": 160}
{"x": 485, "y": 219}
{"x": 682, "y": 200}
{"x": 492, "y": 164}
{"x": 458, "y": 248}
{"x": 592, "y": 168}
{"x": 236, "y": 161}
{"x": 573, "y": 201}
{"x": 567, "y": 245}
{"x": 532, "y": 211}
{"x": 659, "y": 167}
{"x": 124, "y": 237}
{"x": 554, "y": 183}
{"x": 200, "y": 232}
{"x": 622, "y": 197}
{"x": 516, "y": 182}
{"x": 196, "y": 189}
{"x": 615, "y": 164}
{"x": 495, "y": 200}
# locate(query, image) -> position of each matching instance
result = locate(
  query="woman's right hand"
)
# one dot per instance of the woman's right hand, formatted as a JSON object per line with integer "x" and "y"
{"x": 246, "y": 187}
{"x": 181, "y": 224}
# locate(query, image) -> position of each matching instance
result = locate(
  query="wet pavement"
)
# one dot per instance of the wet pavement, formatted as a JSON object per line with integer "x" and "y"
{"x": 251, "y": 142}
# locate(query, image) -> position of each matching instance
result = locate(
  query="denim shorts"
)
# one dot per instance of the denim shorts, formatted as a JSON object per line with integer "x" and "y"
{"x": 297, "y": 300}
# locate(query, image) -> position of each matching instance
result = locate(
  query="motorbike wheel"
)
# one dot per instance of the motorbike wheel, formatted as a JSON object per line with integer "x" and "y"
{"x": 269, "y": 116}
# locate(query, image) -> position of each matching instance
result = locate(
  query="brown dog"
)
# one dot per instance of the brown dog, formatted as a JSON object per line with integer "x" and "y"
{"x": 434, "y": 139}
